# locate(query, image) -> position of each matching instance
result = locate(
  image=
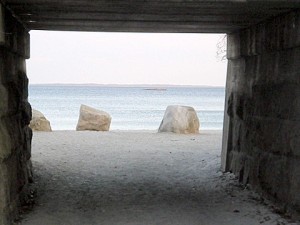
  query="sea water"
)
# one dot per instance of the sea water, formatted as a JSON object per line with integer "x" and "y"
{"x": 131, "y": 108}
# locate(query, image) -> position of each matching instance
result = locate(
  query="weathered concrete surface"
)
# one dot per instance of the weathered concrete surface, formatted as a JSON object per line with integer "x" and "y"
{"x": 15, "y": 114}
{"x": 263, "y": 107}
{"x": 214, "y": 16}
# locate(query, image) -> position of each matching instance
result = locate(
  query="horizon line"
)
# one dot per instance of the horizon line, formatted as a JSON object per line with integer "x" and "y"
{"x": 128, "y": 85}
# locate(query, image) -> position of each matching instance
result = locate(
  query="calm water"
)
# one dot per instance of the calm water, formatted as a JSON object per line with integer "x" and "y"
{"x": 131, "y": 108}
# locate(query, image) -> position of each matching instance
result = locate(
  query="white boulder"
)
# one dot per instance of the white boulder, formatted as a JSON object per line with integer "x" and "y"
{"x": 93, "y": 119}
{"x": 39, "y": 122}
{"x": 180, "y": 119}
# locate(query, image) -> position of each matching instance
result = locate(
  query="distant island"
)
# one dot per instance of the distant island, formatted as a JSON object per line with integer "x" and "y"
{"x": 155, "y": 89}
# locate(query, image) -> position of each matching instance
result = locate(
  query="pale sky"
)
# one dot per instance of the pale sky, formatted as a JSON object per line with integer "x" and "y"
{"x": 125, "y": 58}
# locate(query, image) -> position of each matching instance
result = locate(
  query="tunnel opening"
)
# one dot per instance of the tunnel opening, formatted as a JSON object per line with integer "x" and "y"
{"x": 131, "y": 168}
{"x": 134, "y": 77}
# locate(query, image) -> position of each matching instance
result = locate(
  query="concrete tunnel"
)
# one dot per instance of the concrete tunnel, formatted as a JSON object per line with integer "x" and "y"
{"x": 261, "y": 133}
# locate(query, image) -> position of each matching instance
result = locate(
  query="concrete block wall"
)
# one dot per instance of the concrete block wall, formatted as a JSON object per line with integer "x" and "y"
{"x": 15, "y": 115}
{"x": 262, "y": 113}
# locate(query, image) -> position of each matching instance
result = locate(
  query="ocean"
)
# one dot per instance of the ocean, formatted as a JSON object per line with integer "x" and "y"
{"x": 131, "y": 107}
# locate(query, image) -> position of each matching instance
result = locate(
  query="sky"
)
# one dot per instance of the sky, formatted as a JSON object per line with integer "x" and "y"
{"x": 125, "y": 58}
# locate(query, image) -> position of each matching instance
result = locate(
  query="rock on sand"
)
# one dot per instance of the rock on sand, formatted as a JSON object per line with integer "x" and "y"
{"x": 180, "y": 119}
{"x": 39, "y": 122}
{"x": 93, "y": 119}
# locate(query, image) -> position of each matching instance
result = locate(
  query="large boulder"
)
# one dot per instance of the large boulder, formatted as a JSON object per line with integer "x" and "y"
{"x": 93, "y": 119}
{"x": 39, "y": 122}
{"x": 180, "y": 119}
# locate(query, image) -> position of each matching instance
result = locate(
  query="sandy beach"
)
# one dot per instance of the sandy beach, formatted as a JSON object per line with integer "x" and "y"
{"x": 138, "y": 178}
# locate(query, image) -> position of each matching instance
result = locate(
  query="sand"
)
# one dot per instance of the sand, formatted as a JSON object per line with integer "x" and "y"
{"x": 138, "y": 178}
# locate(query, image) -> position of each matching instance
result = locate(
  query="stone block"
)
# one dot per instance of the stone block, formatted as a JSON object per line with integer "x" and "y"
{"x": 15, "y": 37}
{"x": 235, "y": 71}
{"x": 294, "y": 197}
{"x": 237, "y": 162}
{"x": 278, "y": 101}
{"x": 291, "y": 30}
{"x": 10, "y": 166}
{"x": 288, "y": 65}
{"x": 25, "y": 87}
{"x": 273, "y": 175}
{"x": 276, "y": 67}
{"x": 4, "y": 187}
{"x": 292, "y": 135}
{"x": 259, "y": 33}
{"x": 26, "y": 113}
{"x": 8, "y": 193}
{"x": 250, "y": 39}
{"x": 276, "y": 34}
{"x": 4, "y": 100}
{"x": 22, "y": 173}
{"x": 226, "y": 143}
{"x": 26, "y": 43}
{"x": 9, "y": 67}
{"x": 227, "y": 124}
{"x": 15, "y": 130}
{"x": 2, "y": 56}
{"x": 29, "y": 171}
{"x": 5, "y": 142}
{"x": 23, "y": 43}
{"x": 233, "y": 46}
{"x": 27, "y": 144}
{"x": 2, "y": 26}
{"x": 278, "y": 137}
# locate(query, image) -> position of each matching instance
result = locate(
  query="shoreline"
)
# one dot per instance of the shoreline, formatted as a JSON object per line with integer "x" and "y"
{"x": 132, "y": 131}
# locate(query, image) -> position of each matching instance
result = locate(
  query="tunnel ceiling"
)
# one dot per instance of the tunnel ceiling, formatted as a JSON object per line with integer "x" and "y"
{"x": 213, "y": 16}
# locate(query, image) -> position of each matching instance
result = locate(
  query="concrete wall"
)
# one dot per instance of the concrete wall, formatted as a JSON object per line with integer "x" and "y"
{"x": 262, "y": 118}
{"x": 15, "y": 115}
